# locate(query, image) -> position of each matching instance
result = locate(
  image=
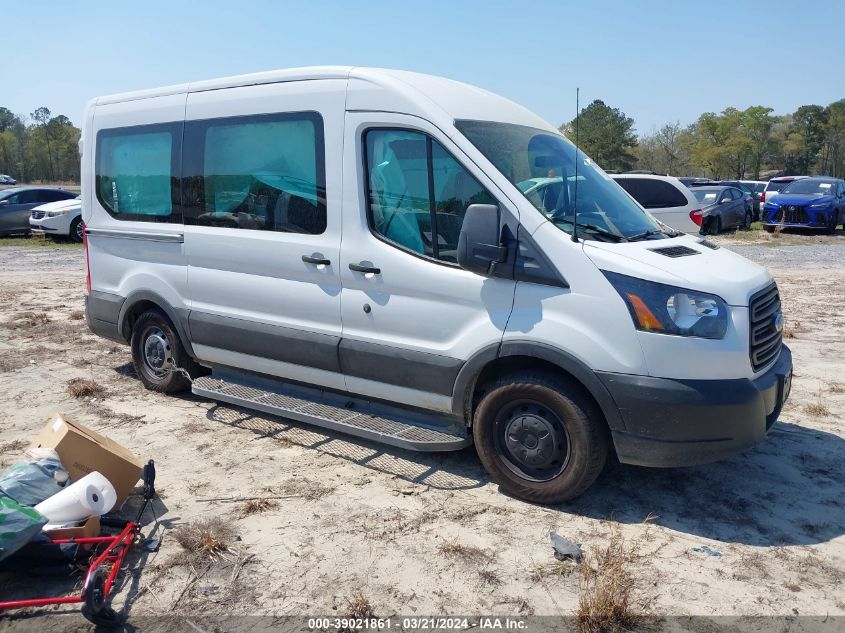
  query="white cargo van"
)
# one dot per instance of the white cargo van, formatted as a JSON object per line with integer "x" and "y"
{"x": 350, "y": 248}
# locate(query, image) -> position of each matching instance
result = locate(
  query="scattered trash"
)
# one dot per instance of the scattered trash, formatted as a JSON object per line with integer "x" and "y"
{"x": 84, "y": 451}
{"x": 92, "y": 495}
{"x": 704, "y": 549}
{"x": 32, "y": 481}
{"x": 565, "y": 549}
{"x": 18, "y": 525}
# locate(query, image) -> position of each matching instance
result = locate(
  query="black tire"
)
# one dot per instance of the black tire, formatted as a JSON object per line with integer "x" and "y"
{"x": 831, "y": 225}
{"x": 746, "y": 222}
{"x": 96, "y": 608}
{"x": 769, "y": 228}
{"x": 542, "y": 439}
{"x": 716, "y": 225}
{"x": 76, "y": 230}
{"x": 160, "y": 359}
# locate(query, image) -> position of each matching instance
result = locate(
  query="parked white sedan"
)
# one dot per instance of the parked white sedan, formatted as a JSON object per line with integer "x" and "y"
{"x": 62, "y": 218}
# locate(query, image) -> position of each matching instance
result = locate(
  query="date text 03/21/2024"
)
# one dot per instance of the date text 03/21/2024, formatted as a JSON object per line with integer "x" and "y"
{"x": 417, "y": 624}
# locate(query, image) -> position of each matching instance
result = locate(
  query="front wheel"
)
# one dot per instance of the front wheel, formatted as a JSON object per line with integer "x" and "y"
{"x": 831, "y": 224}
{"x": 746, "y": 222}
{"x": 541, "y": 438}
{"x": 160, "y": 359}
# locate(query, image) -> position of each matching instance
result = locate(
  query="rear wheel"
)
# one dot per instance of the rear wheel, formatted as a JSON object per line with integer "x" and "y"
{"x": 76, "y": 230}
{"x": 746, "y": 223}
{"x": 160, "y": 359}
{"x": 540, "y": 438}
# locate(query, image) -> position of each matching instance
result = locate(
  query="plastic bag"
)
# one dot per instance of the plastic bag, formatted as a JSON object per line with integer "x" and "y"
{"x": 18, "y": 526}
{"x": 39, "y": 478}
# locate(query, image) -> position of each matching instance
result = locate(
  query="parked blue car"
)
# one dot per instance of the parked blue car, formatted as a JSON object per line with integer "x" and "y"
{"x": 811, "y": 203}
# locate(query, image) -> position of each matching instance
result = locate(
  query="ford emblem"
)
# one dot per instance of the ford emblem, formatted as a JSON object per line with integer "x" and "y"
{"x": 778, "y": 322}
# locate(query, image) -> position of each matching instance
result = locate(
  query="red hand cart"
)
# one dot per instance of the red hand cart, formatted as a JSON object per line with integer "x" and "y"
{"x": 110, "y": 553}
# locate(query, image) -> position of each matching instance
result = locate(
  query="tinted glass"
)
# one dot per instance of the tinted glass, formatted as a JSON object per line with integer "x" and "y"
{"x": 777, "y": 186}
{"x": 264, "y": 173}
{"x": 53, "y": 196}
{"x": 137, "y": 172}
{"x": 523, "y": 153}
{"x": 809, "y": 186}
{"x": 654, "y": 194}
{"x": 705, "y": 196}
{"x": 418, "y": 193}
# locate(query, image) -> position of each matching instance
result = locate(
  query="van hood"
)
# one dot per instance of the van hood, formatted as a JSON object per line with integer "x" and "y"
{"x": 716, "y": 271}
{"x": 59, "y": 205}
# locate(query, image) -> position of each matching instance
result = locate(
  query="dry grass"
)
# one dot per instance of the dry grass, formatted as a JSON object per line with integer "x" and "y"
{"x": 8, "y": 364}
{"x": 206, "y": 538}
{"x": 790, "y": 331}
{"x": 559, "y": 568}
{"x": 816, "y": 409}
{"x": 257, "y": 506}
{"x": 359, "y": 606}
{"x": 466, "y": 553}
{"x": 27, "y": 320}
{"x": 305, "y": 488}
{"x": 836, "y": 387}
{"x": 489, "y": 577}
{"x": 606, "y": 602}
{"x": 77, "y": 315}
{"x": 13, "y": 447}
{"x": 84, "y": 388}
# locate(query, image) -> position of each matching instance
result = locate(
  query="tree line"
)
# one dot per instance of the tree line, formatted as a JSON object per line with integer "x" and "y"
{"x": 40, "y": 147}
{"x": 732, "y": 144}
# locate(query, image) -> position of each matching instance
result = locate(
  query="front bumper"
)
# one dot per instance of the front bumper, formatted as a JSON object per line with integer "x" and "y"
{"x": 687, "y": 422}
{"x": 815, "y": 219}
{"x": 57, "y": 225}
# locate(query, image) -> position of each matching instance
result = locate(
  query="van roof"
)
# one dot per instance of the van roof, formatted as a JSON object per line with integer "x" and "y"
{"x": 378, "y": 89}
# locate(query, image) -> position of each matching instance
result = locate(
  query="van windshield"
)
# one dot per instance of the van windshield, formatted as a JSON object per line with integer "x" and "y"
{"x": 542, "y": 166}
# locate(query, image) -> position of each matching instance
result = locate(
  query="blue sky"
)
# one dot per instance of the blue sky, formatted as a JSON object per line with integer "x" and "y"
{"x": 657, "y": 61}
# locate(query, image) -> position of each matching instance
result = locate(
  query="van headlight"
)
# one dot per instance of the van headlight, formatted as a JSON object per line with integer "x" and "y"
{"x": 666, "y": 309}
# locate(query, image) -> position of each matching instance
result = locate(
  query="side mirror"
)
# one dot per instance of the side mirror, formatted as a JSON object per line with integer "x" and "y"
{"x": 4, "y": 203}
{"x": 479, "y": 241}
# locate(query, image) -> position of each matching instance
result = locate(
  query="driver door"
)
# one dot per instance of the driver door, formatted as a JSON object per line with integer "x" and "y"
{"x": 411, "y": 316}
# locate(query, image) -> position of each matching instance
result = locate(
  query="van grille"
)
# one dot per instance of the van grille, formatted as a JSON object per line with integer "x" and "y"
{"x": 766, "y": 335}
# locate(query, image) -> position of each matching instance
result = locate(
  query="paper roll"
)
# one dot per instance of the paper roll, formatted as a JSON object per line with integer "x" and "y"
{"x": 92, "y": 495}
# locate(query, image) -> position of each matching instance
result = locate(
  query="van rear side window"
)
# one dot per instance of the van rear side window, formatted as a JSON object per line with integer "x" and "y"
{"x": 137, "y": 172}
{"x": 263, "y": 172}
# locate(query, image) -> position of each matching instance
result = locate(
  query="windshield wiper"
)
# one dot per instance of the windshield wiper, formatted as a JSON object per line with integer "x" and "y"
{"x": 597, "y": 229}
{"x": 644, "y": 234}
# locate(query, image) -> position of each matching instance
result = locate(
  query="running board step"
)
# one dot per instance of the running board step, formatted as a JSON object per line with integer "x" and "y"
{"x": 361, "y": 418}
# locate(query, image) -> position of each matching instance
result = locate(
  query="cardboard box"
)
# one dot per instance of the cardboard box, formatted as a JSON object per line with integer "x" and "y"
{"x": 90, "y": 528}
{"x": 83, "y": 451}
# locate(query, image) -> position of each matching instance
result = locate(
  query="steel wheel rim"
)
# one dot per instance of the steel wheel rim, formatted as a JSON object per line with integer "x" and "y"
{"x": 156, "y": 352}
{"x": 532, "y": 441}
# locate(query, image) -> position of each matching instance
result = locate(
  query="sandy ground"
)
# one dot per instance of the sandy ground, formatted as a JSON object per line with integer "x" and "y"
{"x": 430, "y": 534}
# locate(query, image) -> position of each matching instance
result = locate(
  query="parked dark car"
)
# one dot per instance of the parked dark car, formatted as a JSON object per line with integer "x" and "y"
{"x": 17, "y": 202}
{"x": 750, "y": 195}
{"x": 722, "y": 208}
{"x": 807, "y": 203}
{"x": 689, "y": 180}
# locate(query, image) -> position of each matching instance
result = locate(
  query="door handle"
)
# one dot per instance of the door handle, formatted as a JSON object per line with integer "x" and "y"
{"x": 361, "y": 268}
{"x": 316, "y": 259}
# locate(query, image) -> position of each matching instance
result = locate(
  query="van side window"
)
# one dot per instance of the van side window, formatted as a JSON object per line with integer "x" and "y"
{"x": 137, "y": 172}
{"x": 263, "y": 172}
{"x": 418, "y": 193}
